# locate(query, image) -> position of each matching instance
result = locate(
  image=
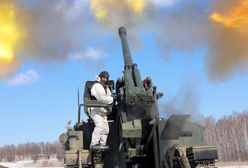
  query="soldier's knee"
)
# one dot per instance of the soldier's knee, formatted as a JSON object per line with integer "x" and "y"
{"x": 105, "y": 130}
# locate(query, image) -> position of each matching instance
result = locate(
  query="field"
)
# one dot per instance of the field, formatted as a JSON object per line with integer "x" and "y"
{"x": 30, "y": 163}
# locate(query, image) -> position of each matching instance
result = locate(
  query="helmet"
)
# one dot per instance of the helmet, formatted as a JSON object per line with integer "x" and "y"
{"x": 104, "y": 74}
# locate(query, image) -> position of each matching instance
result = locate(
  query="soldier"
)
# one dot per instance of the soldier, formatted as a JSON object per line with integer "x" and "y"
{"x": 101, "y": 92}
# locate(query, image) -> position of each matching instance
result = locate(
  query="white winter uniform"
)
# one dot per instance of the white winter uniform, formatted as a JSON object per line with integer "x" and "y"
{"x": 99, "y": 114}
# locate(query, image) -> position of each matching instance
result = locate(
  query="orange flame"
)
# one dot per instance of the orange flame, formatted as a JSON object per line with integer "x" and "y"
{"x": 9, "y": 37}
{"x": 237, "y": 18}
{"x": 229, "y": 39}
{"x": 9, "y": 34}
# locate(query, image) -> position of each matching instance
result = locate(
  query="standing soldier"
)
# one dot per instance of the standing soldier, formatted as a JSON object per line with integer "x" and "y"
{"x": 101, "y": 92}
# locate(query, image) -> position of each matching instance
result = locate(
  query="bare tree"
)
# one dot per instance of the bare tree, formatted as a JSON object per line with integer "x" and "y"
{"x": 8, "y": 152}
{"x": 230, "y": 135}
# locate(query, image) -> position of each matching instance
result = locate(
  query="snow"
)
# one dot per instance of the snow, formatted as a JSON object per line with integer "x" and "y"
{"x": 53, "y": 163}
{"x": 242, "y": 166}
{"x": 31, "y": 164}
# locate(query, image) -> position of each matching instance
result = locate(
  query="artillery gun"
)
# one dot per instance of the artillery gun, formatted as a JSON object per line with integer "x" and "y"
{"x": 138, "y": 136}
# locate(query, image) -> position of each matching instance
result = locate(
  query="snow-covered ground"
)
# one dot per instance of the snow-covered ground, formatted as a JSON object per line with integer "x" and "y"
{"x": 53, "y": 163}
{"x": 233, "y": 165}
{"x": 236, "y": 166}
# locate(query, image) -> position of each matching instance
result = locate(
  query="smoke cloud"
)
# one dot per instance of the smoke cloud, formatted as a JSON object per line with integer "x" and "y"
{"x": 50, "y": 27}
{"x": 228, "y": 39}
{"x": 48, "y": 31}
{"x": 184, "y": 102}
{"x": 55, "y": 30}
{"x": 228, "y": 55}
{"x": 182, "y": 27}
{"x": 7, "y": 69}
{"x": 188, "y": 25}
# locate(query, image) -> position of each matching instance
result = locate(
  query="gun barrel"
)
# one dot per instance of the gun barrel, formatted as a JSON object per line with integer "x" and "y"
{"x": 125, "y": 48}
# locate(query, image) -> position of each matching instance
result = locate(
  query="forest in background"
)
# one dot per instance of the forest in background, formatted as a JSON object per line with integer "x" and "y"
{"x": 32, "y": 151}
{"x": 229, "y": 134}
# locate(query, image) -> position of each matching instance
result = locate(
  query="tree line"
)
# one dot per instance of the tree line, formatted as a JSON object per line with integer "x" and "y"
{"x": 229, "y": 134}
{"x": 31, "y": 150}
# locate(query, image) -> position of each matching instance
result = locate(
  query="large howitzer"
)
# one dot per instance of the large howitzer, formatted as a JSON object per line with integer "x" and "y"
{"x": 138, "y": 136}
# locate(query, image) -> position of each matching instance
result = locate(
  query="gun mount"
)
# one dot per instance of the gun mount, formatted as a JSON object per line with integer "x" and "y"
{"x": 138, "y": 136}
